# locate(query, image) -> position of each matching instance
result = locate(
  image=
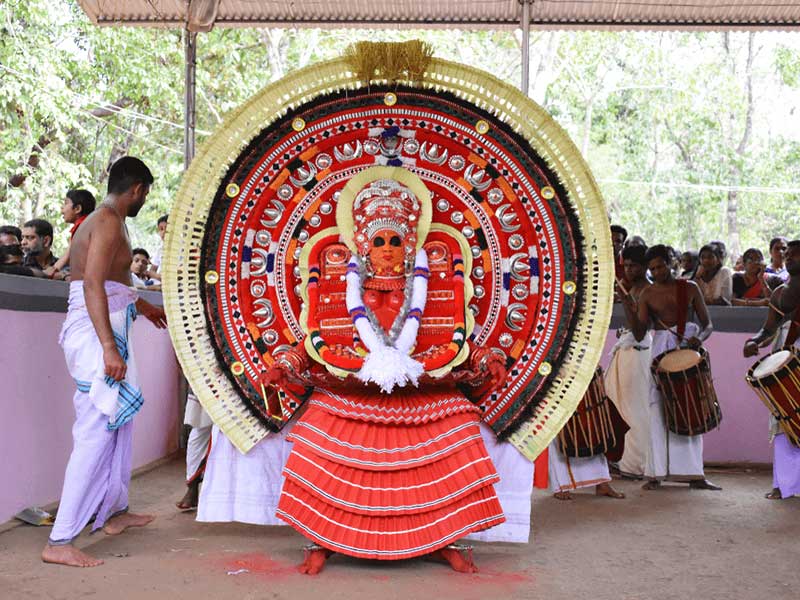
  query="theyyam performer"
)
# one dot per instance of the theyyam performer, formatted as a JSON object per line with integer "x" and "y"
{"x": 386, "y": 298}
{"x": 388, "y": 462}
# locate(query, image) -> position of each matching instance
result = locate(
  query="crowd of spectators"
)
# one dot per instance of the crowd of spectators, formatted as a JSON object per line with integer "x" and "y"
{"x": 27, "y": 251}
{"x": 749, "y": 283}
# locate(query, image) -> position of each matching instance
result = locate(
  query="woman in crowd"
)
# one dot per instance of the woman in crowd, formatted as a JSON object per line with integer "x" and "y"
{"x": 753, "y": 286}
{"x": 714, "y": 279}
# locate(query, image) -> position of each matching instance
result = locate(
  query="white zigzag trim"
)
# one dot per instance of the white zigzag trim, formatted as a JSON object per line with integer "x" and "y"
{"x": 390, "y": 489}
{"x": 474, "y": 526}
{"x": 371, "y": 463}
{"x": 350, "y": 446}
{"x": 402, "y": 531}
{"x": 478, "y": 483}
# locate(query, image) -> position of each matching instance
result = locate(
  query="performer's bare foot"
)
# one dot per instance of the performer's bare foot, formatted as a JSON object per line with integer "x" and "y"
{"x": 120, "y": 523}
{"x": 703, "y": 484}
{"x": 605, "y": 489}
{"x": 562, "y": 496}
{"x": 653, "y": 484}
{"x": 315, "y": 557}
{"x": 458, "y": 557}
{"x": 775, "y": 494}
{"x": 189, "y": 500}
{"x": 69, "y": 555}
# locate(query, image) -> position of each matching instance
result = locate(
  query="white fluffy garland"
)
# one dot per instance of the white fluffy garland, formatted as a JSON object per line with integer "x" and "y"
{"x": 389, "y": 364}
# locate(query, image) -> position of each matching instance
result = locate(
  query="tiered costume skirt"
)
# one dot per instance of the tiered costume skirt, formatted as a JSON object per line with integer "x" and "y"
{"x": 389, "y": 476}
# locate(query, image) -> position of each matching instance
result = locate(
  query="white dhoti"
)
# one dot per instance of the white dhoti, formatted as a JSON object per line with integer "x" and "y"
{"x": 628, "y": 382}
{"x": 671, "y": 456}
{"x": 198, "y": 445}
{"x": 569, "y": 473}
{"x": 513, "y": 490}
{"x": 99, "y": 469}
{"x": 244, "y": 487}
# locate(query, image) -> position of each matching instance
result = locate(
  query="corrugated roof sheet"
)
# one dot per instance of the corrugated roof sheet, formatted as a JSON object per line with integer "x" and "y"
{"x": 562, "y": 14}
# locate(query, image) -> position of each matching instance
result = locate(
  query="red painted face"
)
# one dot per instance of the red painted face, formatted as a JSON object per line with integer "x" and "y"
{"x": 386, "y": 252}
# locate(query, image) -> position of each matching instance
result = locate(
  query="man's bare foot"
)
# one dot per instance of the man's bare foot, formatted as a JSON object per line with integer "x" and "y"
{"x": 703, "y": 484}
{"x": 562, "y": 496}
{"x": 458, "y": 557}
{"x": 189, "y": 500}
{"x": 653, "y": 484}
{"x": 775, "y": 494}
{"x": 120, "y": 523}
{"x": 69, "y": 555}
{"x": 315, "y": 557}
{"x": 605, "y": 489}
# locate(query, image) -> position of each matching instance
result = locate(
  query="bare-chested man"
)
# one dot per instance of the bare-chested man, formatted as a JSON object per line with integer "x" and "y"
{"x": 628, "y": 378}
{"x": 99, "y": 356}
{"x": 667, "y": 309}
{"x": 784, "y": 308}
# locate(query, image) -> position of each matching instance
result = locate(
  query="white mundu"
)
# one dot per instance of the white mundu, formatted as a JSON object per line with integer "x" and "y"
{"x": 99, "y": 470}
{"x": 198, "y": 444}
{"x": 571, "y": 473}
{"x": 628, "y": 382}
{"x": 671, "y": 456}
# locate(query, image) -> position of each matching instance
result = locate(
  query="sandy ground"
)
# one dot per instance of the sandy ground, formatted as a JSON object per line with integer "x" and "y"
{"x": 672, "y": 543}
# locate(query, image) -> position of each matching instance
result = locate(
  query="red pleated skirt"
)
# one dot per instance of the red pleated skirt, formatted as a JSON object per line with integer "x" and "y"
{"x": 389, "y": 476}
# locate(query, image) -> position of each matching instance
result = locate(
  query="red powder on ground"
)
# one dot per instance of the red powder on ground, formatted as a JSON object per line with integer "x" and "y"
{"x": 257, "y": 563}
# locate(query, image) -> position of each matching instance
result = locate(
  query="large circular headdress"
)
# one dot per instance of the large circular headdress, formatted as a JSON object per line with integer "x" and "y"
{"x": 500, "y": 171}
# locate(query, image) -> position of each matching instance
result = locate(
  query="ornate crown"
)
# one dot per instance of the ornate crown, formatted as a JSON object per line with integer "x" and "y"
{"x": 385, "y": 204}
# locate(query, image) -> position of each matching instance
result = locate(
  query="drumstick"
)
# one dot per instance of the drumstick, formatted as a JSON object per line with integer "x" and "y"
{"x": 675, "y": 333}
{"x": 622, "y": 287}
{"x": 777, "y": 310}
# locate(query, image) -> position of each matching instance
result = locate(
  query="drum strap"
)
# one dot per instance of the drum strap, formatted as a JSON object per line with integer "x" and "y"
{"x": 682, "y": 293}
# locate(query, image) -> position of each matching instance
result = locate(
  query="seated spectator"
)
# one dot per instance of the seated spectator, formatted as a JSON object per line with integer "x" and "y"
{"x": 674, "y": 261}
{"x": 11, "y": 261}
{"x": 76, "y": 207}
{"x": 37, "y": 238}
{"x": 738, "y": 266}
{"x": 777, "y": 248}
{"x": 10, "y": 235}
{"x": 635, "y": 240}
{"x": 688, "y": 264}
{"x": 155, "y": 264}
{"x": 139, "y": 267}
{"x": 722, "y": 250}
{"x": 712, "y": 277}
{"x": 753, "y": 286}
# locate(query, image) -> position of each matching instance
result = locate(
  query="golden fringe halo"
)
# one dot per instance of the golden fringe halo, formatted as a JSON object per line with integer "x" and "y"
{"x": 183, "y": 278}
{"x": 344, "y": 208}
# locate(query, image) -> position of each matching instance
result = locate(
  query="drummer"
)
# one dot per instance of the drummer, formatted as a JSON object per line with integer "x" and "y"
{"x": 669, "y": 307}
{"x": 627, "y": 380}
{"x": 784, "y": 306}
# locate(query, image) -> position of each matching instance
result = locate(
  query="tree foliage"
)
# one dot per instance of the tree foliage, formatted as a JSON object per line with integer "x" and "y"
{"x": 692, "y": 136}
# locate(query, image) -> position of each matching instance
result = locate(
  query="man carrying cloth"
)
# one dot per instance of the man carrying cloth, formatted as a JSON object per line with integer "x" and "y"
{"x": 99, "y": 355}
{"x": 784, "y": 308}
{"x": 667, "y": 306}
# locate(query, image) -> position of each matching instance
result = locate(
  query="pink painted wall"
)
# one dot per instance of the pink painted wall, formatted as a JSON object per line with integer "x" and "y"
{"x": 36, "y": 405}
{"x": 742, "y": 436}
{"x": 36, "y": 411}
